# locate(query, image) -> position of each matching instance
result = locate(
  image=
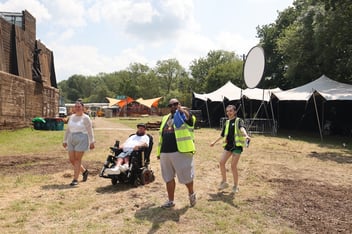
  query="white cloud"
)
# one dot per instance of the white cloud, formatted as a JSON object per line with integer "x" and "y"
{"x": 121, "y": 11}
{"x": 67, "y": 13}
{"x": 78, "y": 59}
{"x": 235, "y": 42}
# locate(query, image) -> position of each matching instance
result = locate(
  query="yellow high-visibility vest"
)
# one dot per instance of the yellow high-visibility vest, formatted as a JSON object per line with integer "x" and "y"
{"x": 239, "y": 139}
{"x": 184, "y": 136}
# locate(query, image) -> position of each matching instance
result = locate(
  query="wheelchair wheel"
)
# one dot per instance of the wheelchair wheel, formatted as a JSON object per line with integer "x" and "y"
{"x": 152, "y": 177}
{"x": 146, "y": 176}
{"x": 114, "y": 181}
{"x": 136, "y": 183}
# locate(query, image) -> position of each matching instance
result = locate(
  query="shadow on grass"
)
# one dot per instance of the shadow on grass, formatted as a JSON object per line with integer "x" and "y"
{"x": 224, "y": 197}
{"x": 331, "y": 156}
{"x": 115, "y": 188}
{"x": 157, "y": 216}
{"x": 58, "y": 186}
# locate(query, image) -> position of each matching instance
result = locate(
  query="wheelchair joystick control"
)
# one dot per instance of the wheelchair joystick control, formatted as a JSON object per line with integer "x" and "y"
{"x": 117, "y": 144}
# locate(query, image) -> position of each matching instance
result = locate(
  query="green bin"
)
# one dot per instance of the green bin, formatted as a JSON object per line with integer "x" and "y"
{"x": 59, "y": 124}
{"x": 49, "y": 124}
{"x": 38, "y": 123}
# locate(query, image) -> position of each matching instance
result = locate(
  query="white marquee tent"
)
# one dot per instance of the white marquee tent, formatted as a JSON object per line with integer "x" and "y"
{"x": 329, "y": 89}
{"x": 232, "y": 92}
{"x": 229, "y": 91}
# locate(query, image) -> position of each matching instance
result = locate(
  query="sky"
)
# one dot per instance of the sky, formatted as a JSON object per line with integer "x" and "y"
{"x": 89, "y": 37}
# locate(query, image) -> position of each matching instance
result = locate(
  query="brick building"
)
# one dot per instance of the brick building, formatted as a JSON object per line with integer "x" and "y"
{"x": 28, "y": 85}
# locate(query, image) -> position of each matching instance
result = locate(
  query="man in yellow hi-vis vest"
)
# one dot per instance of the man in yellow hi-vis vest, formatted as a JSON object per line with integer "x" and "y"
{"x": 176, "y": 149}
{"x": 234, "y": 135}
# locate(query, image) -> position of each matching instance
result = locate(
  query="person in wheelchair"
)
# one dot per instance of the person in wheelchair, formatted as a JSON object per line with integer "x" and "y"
{"x": 133, "y": 143}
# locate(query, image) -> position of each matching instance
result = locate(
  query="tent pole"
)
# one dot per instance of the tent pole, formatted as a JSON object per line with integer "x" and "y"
{"x": 263, "y": 103}
{"x": 272, "y": 114}
{"x": 316, "y": 112}
{"x": 206, "y": 105}
{"x": 223, "y": 105}
{"x": 322, "y": 115}
{"x": 243, "y": 110}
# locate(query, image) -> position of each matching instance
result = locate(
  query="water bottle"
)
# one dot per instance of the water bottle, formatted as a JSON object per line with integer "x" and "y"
{"x": 247, "y": 142}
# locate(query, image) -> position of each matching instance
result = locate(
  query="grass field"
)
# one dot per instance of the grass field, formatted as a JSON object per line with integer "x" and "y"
{"x": 296, "y": 185}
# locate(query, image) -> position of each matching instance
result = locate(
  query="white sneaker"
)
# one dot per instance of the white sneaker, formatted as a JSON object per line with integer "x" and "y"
{"x": 192, "y": 199}
{"x": 235, "y": 189}
{"x": 124, "y": 168}
{"x": 112, "y": 171}
{"x": 223, "y": 185}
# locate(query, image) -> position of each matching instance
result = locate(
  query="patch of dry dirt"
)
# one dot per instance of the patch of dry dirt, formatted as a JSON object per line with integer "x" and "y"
{"x": 313, "y": 206}
{"x": 40, "y": 165}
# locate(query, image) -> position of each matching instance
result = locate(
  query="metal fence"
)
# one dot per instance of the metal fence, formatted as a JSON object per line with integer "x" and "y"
{"x": 264, "y": 126}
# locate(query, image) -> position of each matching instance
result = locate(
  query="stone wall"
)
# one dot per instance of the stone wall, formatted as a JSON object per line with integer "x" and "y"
{"x": 21, "y": 100}
{"x": 28, "y": 86}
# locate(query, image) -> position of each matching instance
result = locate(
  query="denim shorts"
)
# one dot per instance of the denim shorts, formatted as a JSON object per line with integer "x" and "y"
{"x": 78, "y": 141}
{"x": 125, "y": 154}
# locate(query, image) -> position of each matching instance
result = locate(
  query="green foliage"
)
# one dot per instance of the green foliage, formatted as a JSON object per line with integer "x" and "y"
{"x": 308, "y": 40}
{"x": 215, "y": 70}
{"x": 169, "y": 72}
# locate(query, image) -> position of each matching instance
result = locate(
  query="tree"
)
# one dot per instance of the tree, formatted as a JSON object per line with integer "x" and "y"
{"x": 308, "y": 40}
{"x": 76, "y": 87}
{"x": 215, "y": 70}
{"x": 147, "y": 84}
{"x": 170, "y": 72}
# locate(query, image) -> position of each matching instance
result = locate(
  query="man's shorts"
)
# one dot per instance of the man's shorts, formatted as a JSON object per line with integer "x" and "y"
{"x": 176, "y": 163}
{"x": 124, "y": 154}
{"x": 78, "y": 141}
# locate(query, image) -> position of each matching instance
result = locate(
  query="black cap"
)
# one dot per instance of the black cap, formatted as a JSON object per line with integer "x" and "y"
{"x": 141, "y": 125}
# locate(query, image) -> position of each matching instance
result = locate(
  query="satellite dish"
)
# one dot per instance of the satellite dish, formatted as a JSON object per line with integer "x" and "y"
{"x": 254, "y": 67}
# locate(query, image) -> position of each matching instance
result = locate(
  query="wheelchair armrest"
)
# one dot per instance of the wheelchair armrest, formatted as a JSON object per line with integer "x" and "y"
{"x": 115, "y": 150}
{"x": 141, "y": 148}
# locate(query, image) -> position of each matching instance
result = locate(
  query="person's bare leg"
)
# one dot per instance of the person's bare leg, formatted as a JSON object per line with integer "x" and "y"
{"x": 224, "y": 157}
{"x": 77, "y": 164}
{"x": 71, "y": 157}
{"x": 190, "y": 188}
{"x": 83, "y": 169}
{"x": 170, "y": 187}
{"x": 119, "y": 162}
{"x": 234, "y": 162}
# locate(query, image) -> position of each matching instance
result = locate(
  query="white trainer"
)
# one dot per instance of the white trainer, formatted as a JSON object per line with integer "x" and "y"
{"x": 124, "y": 168}
{"x": 112, "y": 171}
{"x": 223, "y": 185}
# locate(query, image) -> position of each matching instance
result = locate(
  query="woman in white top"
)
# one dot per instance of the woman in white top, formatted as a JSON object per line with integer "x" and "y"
{"x": 78, "y": 138}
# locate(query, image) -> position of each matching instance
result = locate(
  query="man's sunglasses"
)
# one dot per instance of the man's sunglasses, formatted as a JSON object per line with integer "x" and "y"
{"x": 173, "y": 104}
